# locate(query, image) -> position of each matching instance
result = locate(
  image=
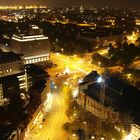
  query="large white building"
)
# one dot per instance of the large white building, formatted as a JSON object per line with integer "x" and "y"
{"x": 35, "y": 48}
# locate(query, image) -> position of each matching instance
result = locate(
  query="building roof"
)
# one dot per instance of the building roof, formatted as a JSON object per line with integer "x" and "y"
{"x": 23, "y": 38}
{"x": 8, "y": 78}
{"x": 111, "y": 83}
{"x": 39, "y": 85}
{"x": 36, "y": 71}
{"x": 6, "y": 57}
{"x": 90, "y": 77}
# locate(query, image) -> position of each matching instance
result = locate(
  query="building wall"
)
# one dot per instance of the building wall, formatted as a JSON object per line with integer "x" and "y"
{"x": 1, "y": 96}
{"x": 36, "y": 59}
{"x": 23, "y": 83}
{"x": 36, "y": 47}
{"x": 10, "y": 68}
{"x": 81, "y": 99}
{"x": 97, "y": 109}
{"x": 34, "y": 51}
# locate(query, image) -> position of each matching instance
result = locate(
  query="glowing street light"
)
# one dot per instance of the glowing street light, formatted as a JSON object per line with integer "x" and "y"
{"x": 74, "y": 135}
{"x": 100, "y": 79}
{"x": 85, "y": 122}
{"x": 92, "y": 137}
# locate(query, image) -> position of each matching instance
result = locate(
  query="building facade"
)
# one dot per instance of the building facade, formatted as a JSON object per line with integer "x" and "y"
{"x": 35, "y": 48}
{"x": 97, "y": 109}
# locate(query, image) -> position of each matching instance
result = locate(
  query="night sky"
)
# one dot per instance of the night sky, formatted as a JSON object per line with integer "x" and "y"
{"x": 95, "y": 3}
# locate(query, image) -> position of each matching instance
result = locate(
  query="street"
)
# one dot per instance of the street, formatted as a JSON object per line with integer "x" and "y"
{"x": 56, "y": 117}
{"x": 51, "y": 127}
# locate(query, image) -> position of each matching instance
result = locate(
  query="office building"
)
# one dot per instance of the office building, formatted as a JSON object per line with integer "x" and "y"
{"x": 34, "y": 46}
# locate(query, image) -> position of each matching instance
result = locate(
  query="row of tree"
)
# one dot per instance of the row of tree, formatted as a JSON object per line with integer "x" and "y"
{"x": 122, "y": 55}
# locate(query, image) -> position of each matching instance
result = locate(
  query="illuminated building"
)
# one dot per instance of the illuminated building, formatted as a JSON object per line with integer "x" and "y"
{"x": 11, "y": 64}
{"x": 91, "y": 101}
{"x": 35, "y": 48}
{"x": 35, "y": 76}
{"x": 121, "y": 101}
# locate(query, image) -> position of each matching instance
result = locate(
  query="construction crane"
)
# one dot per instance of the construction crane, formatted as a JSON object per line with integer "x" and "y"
{"x": 100, "y": 80}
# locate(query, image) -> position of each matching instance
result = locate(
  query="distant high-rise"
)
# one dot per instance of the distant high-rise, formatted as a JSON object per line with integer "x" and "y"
{"x": 33, "y": 45}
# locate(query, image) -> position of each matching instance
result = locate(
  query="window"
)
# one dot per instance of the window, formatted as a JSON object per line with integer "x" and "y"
{"x": 33, "y": 60}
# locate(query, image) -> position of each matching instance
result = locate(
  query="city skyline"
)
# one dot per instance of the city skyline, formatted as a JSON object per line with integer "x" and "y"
{"x": 69, "y": 72}
{"x": 94, "y": 3}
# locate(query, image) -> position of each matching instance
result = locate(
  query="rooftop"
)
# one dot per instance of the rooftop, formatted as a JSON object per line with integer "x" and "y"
{"x": 24, "y": 38}
{"x": 6, "y": 57}
{"x": 36, "y": 71}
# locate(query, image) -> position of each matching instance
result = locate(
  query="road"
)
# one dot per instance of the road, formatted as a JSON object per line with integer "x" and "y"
{"x": 74, "y": 63}
{"x": 51, "y": 128}
{"x": 56, "y": 117}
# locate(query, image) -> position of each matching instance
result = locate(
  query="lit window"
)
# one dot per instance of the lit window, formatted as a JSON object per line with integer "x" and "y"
{"x": 26, "y": 62}
{"x": 30, "y": 61}
{"x": 33, "y": 60}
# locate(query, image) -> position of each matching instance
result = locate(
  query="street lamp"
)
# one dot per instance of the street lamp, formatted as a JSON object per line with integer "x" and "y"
{"x": 85, "y": 122}
{"x": 74, "y": 135}
{"x": 92, "y": 137}
{"x": 99, "y": 79}
{"x": 62, "y": 50}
